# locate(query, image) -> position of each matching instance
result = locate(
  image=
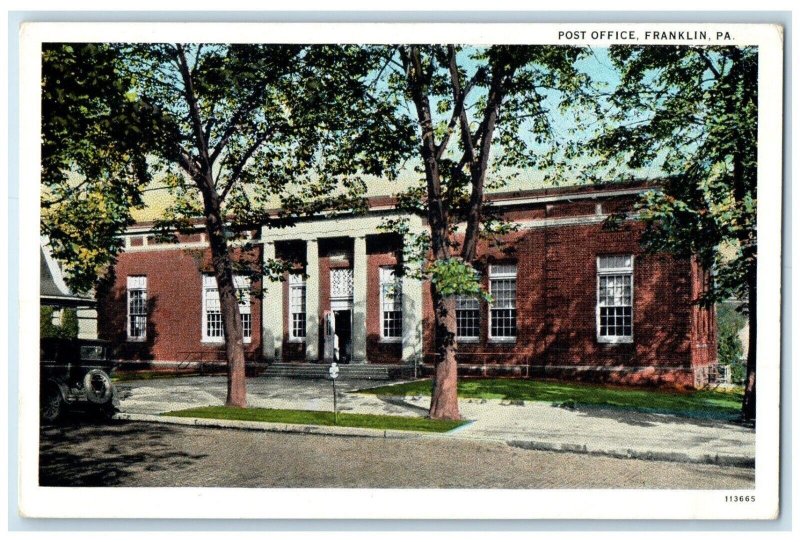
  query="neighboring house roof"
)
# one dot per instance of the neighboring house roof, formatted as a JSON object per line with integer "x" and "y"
{"x": 52, "y": 288}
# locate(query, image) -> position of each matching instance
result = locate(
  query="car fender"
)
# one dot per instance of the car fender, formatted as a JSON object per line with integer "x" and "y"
{"x": 60, "y": 385}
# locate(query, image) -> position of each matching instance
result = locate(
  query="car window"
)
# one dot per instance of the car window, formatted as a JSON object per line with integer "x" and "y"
{"x": 93, "y": 352}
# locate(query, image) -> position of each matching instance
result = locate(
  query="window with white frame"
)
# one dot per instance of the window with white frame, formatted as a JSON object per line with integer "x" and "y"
{"x": 503, "y": 308}
{"x": 468, "y": 316}
{"x": 137, "y": 308}
{"x": 615, "y": 299}
{"x": 297, "y": 306}
{"x": 212, "y": 310}
{"x": 391, "y": 305}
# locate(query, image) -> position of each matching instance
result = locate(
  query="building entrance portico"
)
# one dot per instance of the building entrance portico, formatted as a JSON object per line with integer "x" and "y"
{"x": 340, "y": 275}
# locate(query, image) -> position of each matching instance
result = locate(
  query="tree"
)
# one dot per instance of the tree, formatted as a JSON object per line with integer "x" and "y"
{"x": 231, "y": 131}
{"x": 694, "y": 111}
{"x": 510, "y": 91}
{"x": 95, "y": 140}
{"x": 253, "y": 126}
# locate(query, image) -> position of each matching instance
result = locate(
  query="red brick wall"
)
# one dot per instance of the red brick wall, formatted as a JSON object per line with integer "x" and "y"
{"x": 556, "y": 304}
{"x": 556, "y": 309}
{"x": 378, "y": 351}
{"x": 174, "y": 297}
{"x": 704, "y": 322}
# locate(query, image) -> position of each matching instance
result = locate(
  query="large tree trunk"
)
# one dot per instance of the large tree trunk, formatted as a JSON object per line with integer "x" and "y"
{"x": 229, "y": 304}
{"x": 444, "y": 397}
{"x": 201, "y": 170}
{"x": 749, "y": 402}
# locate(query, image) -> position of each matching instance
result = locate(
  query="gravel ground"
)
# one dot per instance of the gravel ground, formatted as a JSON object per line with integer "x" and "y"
{"x": 160, "y": 455}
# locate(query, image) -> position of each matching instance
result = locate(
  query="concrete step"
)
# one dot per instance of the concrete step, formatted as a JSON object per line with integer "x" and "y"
{"x": 349, "y": 372}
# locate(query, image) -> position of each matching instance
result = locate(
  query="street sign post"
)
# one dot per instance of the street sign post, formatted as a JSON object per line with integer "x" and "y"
{"x": 333, "y": 372}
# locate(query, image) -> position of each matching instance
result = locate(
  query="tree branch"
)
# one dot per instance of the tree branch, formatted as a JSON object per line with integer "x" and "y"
{"x": 708, "y": 62}
{"x": 194, "y": 110}
{"x": 237, "y": 171}
{"x": 459, "y": 113}
{"x": 187, "y": 162}
{"x": 247, "y": 107}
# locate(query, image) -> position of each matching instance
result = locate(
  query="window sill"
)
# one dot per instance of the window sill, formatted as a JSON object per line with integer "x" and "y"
{"x": 615, "y": 340}
{"x": 390, "y": 340}
{"x": 502, "y": 340}
{"x": 222, "y": 341}
{"x": 468, "y": 340}
{"x": 296, "y": 340}
{"x": 136, "y": 339}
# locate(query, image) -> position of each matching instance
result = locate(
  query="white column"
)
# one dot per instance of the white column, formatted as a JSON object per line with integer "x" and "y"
{"x": 271, "y": 311}
{"x": 360, "y": 299}
{"x": 412, "y": 320}
{"x": 312, "y": 300}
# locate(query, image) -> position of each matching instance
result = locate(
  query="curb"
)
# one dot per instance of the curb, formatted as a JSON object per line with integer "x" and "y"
{"x": 647, "y": 455}
{"x": 328, "y": 430}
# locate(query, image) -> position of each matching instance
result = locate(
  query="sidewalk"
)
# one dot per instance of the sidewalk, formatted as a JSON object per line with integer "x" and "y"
{"x": 531, "y": 425}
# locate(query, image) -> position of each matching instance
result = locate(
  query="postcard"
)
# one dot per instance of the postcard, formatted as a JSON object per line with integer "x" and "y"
{"x": 403, "y": 271}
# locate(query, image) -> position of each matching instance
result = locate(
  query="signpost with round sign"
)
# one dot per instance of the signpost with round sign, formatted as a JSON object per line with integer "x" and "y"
{"x": 333, "y": 372}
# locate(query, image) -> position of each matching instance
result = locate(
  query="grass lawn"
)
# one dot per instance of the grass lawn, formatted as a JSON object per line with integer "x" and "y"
{"x": 315, "y": 417}
{"x": 700, "y": 404}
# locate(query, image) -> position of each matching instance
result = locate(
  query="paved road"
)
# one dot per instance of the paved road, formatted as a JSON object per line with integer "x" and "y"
{"x": 159, "y": 455}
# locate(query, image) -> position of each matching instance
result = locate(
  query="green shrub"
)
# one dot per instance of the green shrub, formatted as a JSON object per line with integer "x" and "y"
{"x": 730, "y": 351}
{"x": 68, "y": 329}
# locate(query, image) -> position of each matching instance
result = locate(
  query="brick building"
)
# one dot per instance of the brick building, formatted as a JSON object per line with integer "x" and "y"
{"x": 571, "y": 298}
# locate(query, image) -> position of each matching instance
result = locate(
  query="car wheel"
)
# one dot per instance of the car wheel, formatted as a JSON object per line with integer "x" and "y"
{"x": 51, "y": 404}
{"x": 99, "y": 389}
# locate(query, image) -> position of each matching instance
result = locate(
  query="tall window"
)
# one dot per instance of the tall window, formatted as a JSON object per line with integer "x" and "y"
{"x": 503, "y": 309}
{"x": 212, "y": 312}
{"x": 391, "y": 305}
{"x": 242, "y": 285}
{"x": 137, "y": 308}
{"x": 297, "y": 306}
{"x": 468, "y": 317}
{"x": 615, "y": 299}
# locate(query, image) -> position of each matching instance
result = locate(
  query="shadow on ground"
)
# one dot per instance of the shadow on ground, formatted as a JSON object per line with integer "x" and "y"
{"x": 71, "y": 453}
{"x": 402, "y": 404}
{"x": 640, "y": 418}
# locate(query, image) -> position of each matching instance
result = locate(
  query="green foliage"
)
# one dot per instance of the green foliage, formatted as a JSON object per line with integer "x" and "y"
{"x": 95, "y": 139}
{"x": 692, "y": 111}
{"x": 67, "y": 329}
{"x": 488, "y": 110}
{"x": 291, "y": 127}
{"x": 288, "y": 131}
{"x": 730, "y": 322}
{"x": 455, "y": 277}
{"x": 526, "y": 78}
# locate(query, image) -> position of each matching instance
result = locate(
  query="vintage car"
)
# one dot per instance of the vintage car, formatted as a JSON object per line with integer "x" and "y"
{"x": 75, "y": 374}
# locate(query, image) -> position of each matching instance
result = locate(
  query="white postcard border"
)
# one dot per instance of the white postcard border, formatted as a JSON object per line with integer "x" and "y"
{"x": 38, "y": 501}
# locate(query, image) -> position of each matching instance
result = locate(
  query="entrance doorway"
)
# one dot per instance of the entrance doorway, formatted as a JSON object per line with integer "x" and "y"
{"x": 343, "y": 322}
